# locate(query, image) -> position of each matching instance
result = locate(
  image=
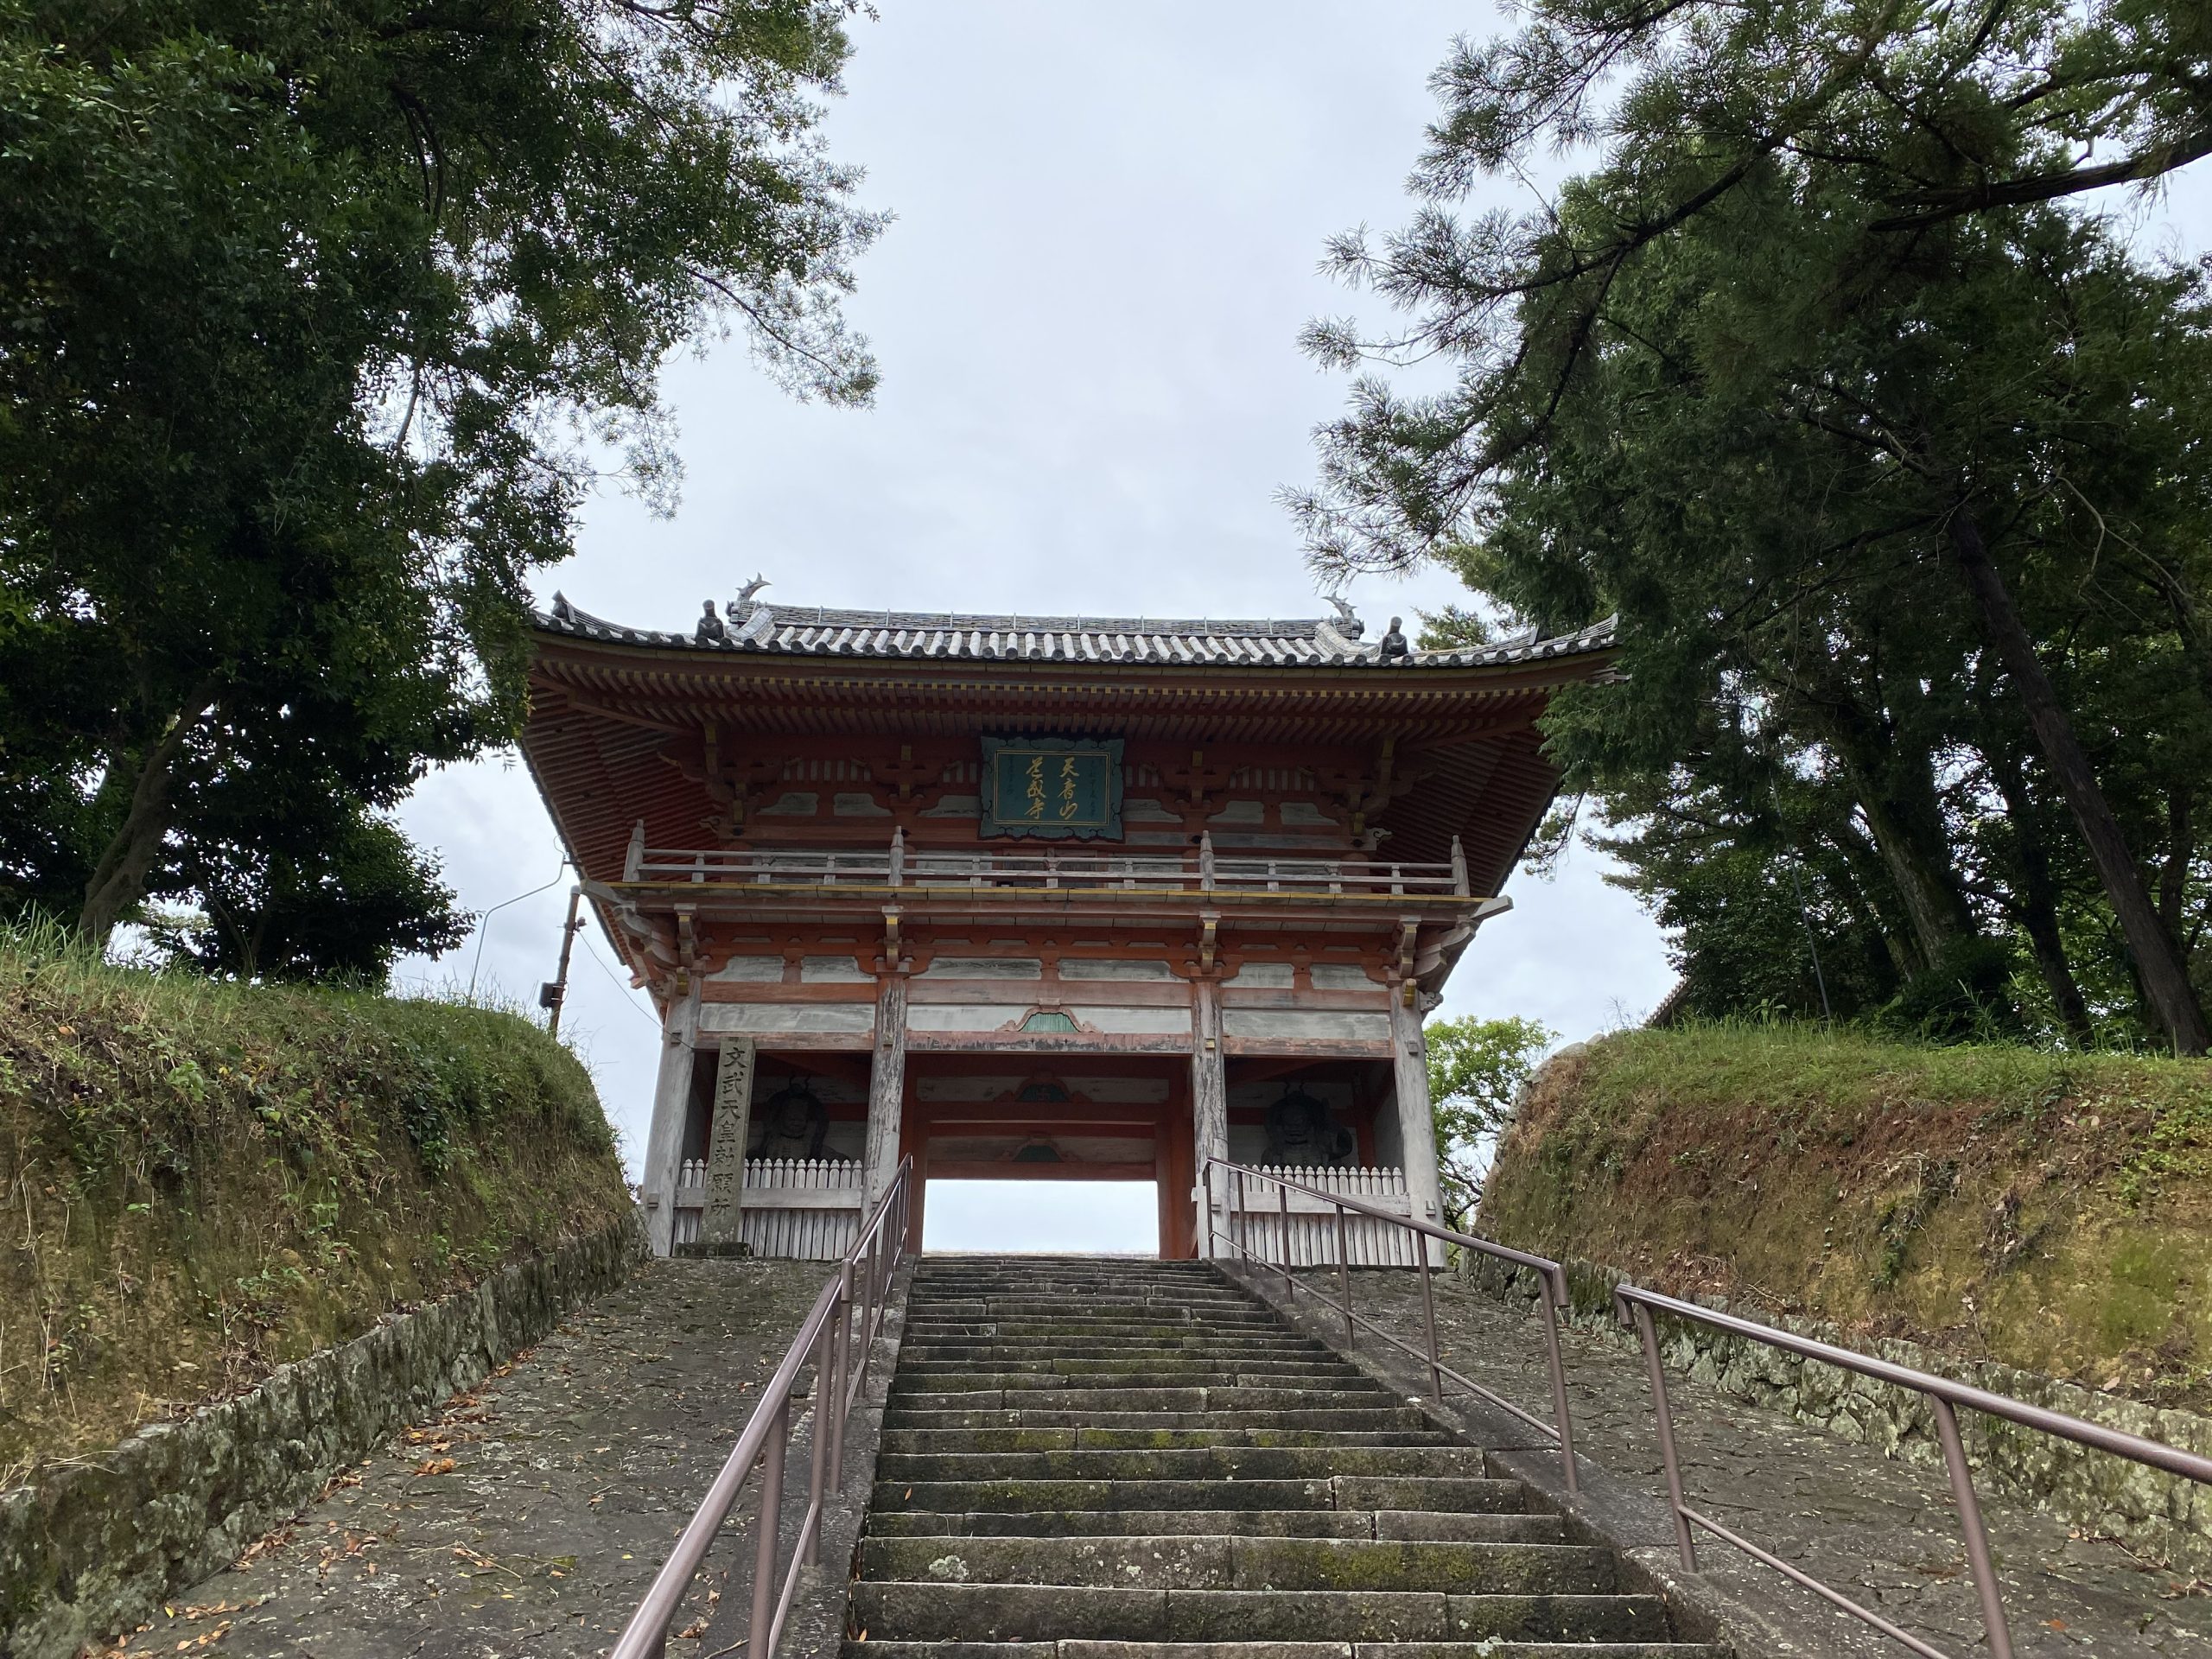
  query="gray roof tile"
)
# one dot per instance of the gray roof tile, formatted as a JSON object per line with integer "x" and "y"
{"x": 814, "y": 631}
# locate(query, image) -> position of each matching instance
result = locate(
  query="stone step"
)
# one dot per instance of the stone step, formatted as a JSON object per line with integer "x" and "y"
{"x": 1223, "y": 1463}
{"x": 1203, "y": 1342}
{"x": 1208, "y": 1286}
{"x": 1374, "y": 1419}
{"x": 985, "y": 1354}
{"x": 1140, "y": 1439}
{"x": 1105, "y": 1330}
{"x": 1491, "y": 1648}
{"x": 1096, "y": 1317}
{"x": 1472, "y": 1526}
{"x": 1144, "y": 1365}
{"x": 1230, "y": 1310}
{"x": 1083, "y": 1273}
{"x": 1109, "y": 1459}
{"x": 956, "y": 1379}
{"x": 905, "y": 1611}
{"x": 1075, "y": 1396}
{"x": 1369, "y": 1492}
{"x": 1172, "y": 1561}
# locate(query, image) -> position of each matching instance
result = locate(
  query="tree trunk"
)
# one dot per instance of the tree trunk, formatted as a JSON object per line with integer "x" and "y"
{"x": 1867, "y": 879}
{"x": 2181, "y": 851}
{"x": 2158, "y": 965}
{"x": 2039, "y": 896}
{"x": 118, "y": 880}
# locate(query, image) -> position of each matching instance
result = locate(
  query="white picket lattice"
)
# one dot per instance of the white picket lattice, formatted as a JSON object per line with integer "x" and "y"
{"x": 1313, "y": 1221}
{"x": 795, "y": 1209}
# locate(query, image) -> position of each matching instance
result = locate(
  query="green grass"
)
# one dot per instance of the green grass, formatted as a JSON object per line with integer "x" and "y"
{"x": 201, "y": 1181}
{"x": 2050, "y": 1211}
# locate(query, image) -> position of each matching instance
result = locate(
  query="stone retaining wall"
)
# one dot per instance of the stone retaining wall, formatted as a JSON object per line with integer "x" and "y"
{"x": 93, "y": 1546}
{"x": 2161, "y": 1517}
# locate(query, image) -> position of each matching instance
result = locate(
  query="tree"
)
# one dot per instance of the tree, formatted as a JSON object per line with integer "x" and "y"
{"x": 1477, "y": 1068}
{"x": 316, "y": 321}
{"x": 337, "y": 905}
{"x": 1846, "y": 424}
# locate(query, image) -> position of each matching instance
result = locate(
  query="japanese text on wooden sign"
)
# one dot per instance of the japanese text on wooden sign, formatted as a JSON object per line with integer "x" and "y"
{"x": 1045, "y": 786}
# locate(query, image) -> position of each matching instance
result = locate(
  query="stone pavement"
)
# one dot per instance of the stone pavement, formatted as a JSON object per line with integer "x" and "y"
{"x": 1882, "y": 1531}
{"x": 527, "y": 1520}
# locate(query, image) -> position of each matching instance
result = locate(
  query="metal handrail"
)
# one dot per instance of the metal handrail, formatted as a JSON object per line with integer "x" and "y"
{"x": 1943, "y": 1395}
{"x": 1560, "y": 1428}
{"x": 827, "y": 1335}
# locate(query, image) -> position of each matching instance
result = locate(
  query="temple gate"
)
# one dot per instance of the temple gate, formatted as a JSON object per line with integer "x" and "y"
{"x": 1035, "y": 897}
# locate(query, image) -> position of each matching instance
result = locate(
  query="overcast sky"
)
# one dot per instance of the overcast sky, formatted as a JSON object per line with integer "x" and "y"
{"x": 1108, "y": 223}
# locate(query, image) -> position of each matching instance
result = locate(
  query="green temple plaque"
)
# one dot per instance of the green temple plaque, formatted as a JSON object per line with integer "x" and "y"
{"x": 1052, "y": 786}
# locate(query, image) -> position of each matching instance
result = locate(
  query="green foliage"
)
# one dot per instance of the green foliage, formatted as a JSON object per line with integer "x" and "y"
{"x": 1965, "y": 995}
{"x": 1815, "y": 335}
{"x": 1477, "y": 1068}
{"x": 212, "y": 1178}
{"x": 317, "y": 321}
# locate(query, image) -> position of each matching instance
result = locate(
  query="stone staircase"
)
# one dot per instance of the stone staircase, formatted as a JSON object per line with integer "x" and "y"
{"x": 1133, "y": 1460}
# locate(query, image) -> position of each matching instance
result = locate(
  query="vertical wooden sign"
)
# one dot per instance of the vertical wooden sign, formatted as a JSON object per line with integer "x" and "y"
{"x": 723, "y": 1226}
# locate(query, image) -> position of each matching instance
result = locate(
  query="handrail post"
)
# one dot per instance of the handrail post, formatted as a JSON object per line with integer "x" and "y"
{"x": 1240, "y": 1225}
{"x": 1554, "y": 1298}
{"x": 633, "y": 861}
{"x": 769, "y": 1528}
{"x": 1282, "y": 1208}
{"x": 1344, "y": 1278}
{"x": 1683, "y": 1541}
{"x": 867, "y": 1310}
{"x": 818, "y": 1450}
{"x": 1458, "y": 868}
{"x": 1428, "y": 1320}
{"x": 1977, "y": 1560}
{"x": 843, "y": 1322}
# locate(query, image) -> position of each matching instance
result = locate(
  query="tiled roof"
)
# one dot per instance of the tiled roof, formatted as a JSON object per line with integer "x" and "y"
{"x": 810, "y": 631}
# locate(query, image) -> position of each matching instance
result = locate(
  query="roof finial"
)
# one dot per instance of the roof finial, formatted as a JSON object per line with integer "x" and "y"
{"x": 1348, "y": 622}
{"x": 745, "y": 594}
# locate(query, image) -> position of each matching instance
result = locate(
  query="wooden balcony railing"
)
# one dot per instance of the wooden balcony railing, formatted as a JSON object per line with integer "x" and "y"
{"x": 897, "y": 866}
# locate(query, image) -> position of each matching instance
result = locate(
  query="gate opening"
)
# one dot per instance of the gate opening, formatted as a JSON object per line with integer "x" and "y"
{"x": 1118, "y": 1217}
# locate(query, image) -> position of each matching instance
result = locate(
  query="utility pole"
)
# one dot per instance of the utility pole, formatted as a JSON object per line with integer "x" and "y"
{"x": 555, "y": 989}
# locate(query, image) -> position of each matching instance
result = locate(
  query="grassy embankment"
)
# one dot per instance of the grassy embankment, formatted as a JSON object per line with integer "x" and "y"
{"x": 2051, "y": 1211}
{"x": 201, "y": 1182}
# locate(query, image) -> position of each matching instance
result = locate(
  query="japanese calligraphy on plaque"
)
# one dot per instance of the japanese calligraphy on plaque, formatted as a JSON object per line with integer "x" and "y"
{"x": 722, "y": 1224}
{"x": 1052, "y": 786}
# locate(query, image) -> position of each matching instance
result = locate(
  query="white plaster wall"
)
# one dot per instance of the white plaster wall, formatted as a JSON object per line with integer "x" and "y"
{"x": 1151, "y": 972}
{"x": 1150, "y": 1021}
{"x": 755, "y": 1018}
{"x": 983, "y": 967}
{"x": 962, "y": 1016}
{"x": 1341, "y": 976}
{"x": 750, "y": 970}
{"x": 1264, "y": 1023}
